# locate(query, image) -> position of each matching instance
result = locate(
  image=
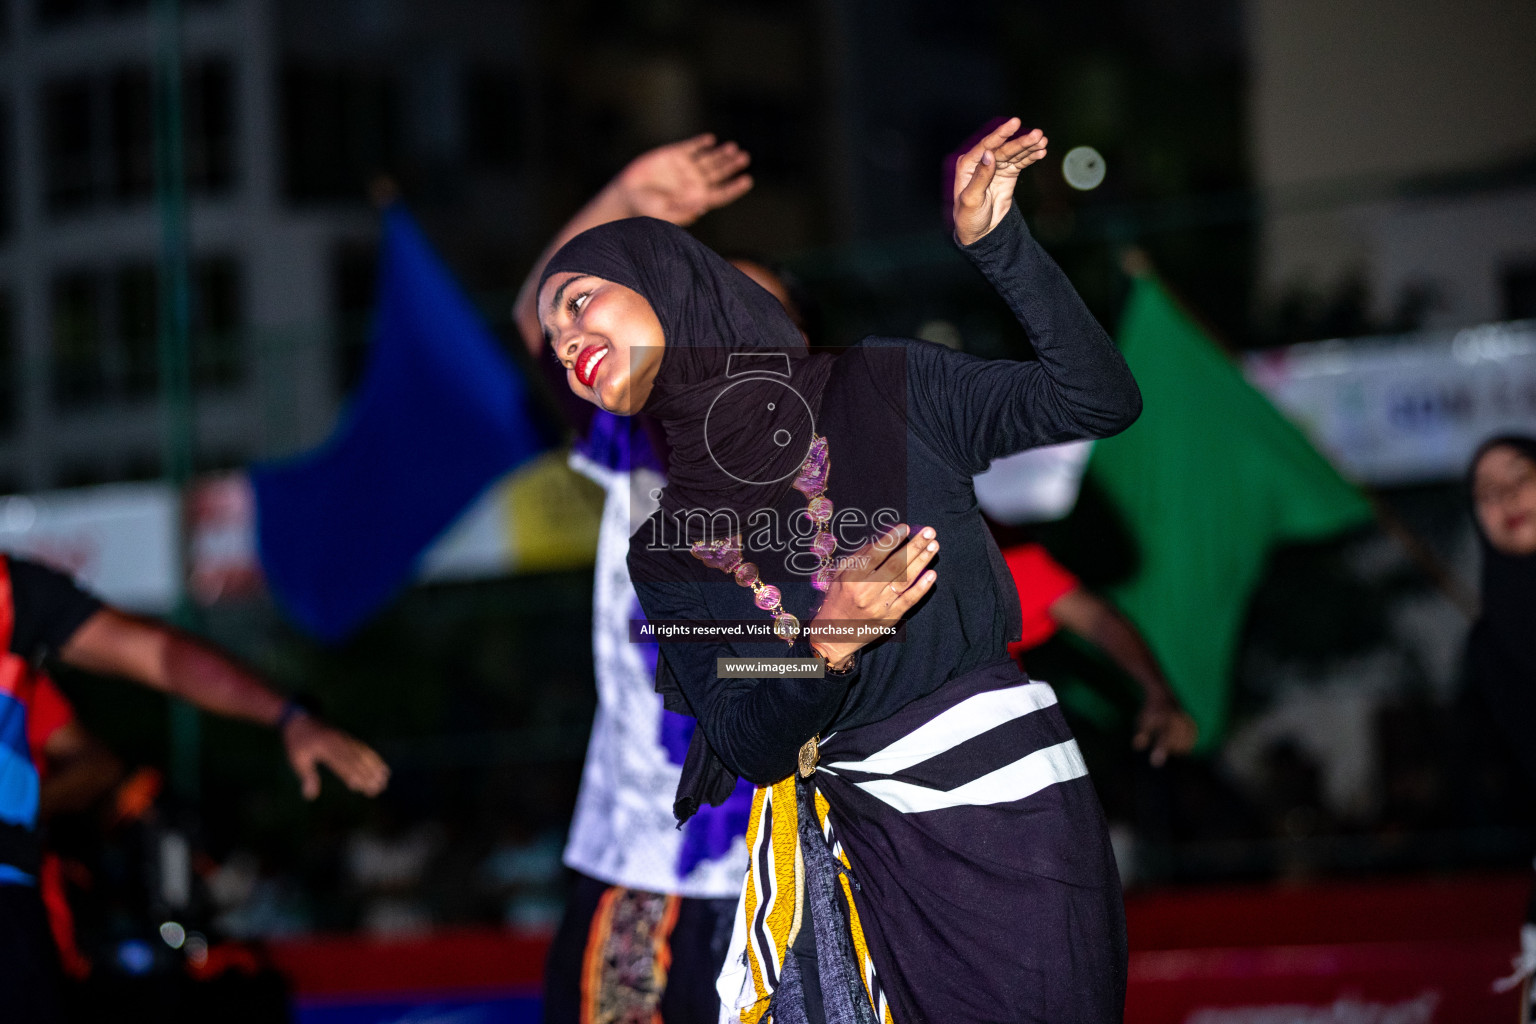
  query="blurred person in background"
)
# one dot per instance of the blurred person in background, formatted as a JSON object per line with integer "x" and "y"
{"x": 74, "y": 770}
{"x": 1501, "y": 650}
{"x": 1051, "y": 597}
{"x": 45, "y": 615}
{"x": 929, "y": 905}
{"x": 647, "y": 921}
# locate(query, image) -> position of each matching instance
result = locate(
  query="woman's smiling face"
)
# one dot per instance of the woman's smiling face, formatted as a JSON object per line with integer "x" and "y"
{"x": 606, "y": 336}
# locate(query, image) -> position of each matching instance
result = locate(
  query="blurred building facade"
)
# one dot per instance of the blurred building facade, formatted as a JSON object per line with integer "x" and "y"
{"x": 494, "y": 119}
{"x": 80, "y": 276}
{"x": 1396, "y": 156}
{"x": 289, "y": 110}
{"x": 1395, "y": 162}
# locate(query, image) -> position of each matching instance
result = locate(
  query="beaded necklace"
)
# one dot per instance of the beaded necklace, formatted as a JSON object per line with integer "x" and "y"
{"x": 725, "y": 555}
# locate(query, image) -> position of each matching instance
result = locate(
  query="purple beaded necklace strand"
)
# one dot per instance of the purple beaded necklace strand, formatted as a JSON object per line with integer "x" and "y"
{"x": 725, "y": 555}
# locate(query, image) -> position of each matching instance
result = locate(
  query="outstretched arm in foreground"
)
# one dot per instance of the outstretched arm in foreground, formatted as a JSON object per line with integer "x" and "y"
{"x": 165, "y": 659}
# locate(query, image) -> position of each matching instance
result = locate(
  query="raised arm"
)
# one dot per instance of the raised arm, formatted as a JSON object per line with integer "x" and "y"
{"x": 679, "y": 182}
{"x": 1163, "y": 727}
{"x": 1079, "y": 387}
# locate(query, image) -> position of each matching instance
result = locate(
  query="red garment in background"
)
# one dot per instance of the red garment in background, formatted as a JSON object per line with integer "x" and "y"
{"x": 1041, "y": 582}
{"x": 47, "y": 712}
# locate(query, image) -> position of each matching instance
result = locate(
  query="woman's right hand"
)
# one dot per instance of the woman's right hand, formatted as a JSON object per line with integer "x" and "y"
{"x": 683, "y": 181}
{"x": 879, "y": 583}
{"x": 985, "y": 177}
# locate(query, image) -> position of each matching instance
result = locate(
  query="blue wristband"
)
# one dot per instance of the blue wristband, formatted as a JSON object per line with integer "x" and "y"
{"x": 291, "y": 709}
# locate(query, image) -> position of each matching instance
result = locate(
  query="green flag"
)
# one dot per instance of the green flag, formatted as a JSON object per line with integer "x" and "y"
{"x": 1207, "y": 480}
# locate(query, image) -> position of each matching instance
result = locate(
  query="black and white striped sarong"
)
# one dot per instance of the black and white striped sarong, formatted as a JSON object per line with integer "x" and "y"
{"x": 985, "y": 883}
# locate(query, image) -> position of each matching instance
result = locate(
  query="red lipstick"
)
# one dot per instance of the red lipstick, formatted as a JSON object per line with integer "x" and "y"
{"x": 587, "y": 362}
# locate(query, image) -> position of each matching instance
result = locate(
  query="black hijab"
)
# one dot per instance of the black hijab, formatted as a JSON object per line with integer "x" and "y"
{"x": 737, "y": 393}
{"x": 1502, "y": 647}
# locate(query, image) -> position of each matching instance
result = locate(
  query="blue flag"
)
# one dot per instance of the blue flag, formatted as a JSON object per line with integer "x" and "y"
{"x": 441, "y": 414}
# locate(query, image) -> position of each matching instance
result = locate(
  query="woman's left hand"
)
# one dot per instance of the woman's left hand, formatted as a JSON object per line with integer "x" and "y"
{"x": 985, "y": 176}
{"x": 685, "y": 180}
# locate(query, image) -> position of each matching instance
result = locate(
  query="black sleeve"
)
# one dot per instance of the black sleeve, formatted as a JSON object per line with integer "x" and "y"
{"x": 755, "y": 726}
{"x": 975, "y": 410}
{"x": 49, "y": 606}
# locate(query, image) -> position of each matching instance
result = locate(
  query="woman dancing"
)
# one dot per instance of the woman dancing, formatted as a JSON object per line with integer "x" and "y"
{"x": 926, "y": 845}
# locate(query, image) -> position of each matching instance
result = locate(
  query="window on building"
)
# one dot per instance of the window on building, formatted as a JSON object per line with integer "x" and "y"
{"x": 106, "y": 331}
{"x": 209, "y": 117}
{"x": 340, "y": 129}
{"x": 69, "y": 144}
{"x": 99, "y": 136}
{"x": 133, "y": 135}
{"x": 7, "y": 169}
{"x": 218, "y": 358}
{"x": 79, "y": 354}
{"x": 60, "y": 13}
{"x": 136, "y": 298}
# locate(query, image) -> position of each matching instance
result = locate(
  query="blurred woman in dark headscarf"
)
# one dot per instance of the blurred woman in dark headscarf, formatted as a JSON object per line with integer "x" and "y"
{"x": 1502, "y": 648}
{"x": 1501, "y": 651}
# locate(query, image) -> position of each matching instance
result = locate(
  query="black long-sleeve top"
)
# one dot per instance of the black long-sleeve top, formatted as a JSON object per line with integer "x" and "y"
{"x": 908, "y": 425}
